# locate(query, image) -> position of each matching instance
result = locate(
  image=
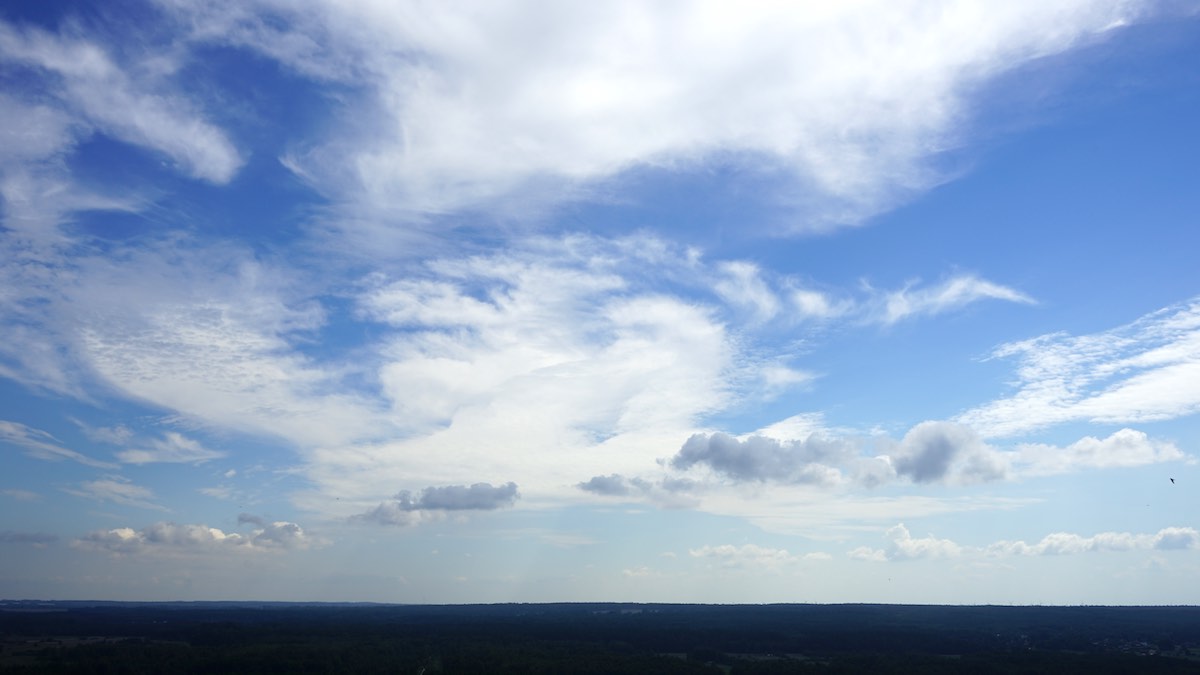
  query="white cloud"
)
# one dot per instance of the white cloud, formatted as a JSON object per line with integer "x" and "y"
{"x": 1124, "y": 448}
{"x": 21, "y": 495}
{"x": 127, "y": 105}
{"x": 1063, "y": 543}
{"x": 751, "y": 556}
{"x": 170, "y": 539}
{"x": 851, "y": 102}
{"x": 1144, "y": 371}
{"x": 903, "y": 546}
{"x": 117, "y": 490}
{"x": 953, "y": 293}
{"x": 39, "y": 444}
{"x": 214, "y": 335}
{"x": 741, "y": 285}
{"x": 172, "y": 447}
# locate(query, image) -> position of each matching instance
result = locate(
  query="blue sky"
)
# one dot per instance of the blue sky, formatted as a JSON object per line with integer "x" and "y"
{"x": 534, "y": 301}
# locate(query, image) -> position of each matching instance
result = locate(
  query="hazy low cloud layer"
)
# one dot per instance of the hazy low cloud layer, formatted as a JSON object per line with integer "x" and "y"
{"x": 38, "y": 539}
{"x": 903, "y": 546}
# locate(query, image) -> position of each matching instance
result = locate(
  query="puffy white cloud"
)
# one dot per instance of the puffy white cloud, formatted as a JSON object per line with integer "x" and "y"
{"x": 171, "y": 539}
{"x": 903, "y": 546}
{"x": 42, "y": 445}
{"x": 1064, "y": 543}
{"x": 1143, "y": 371}
{"x": 1124, "y": 448}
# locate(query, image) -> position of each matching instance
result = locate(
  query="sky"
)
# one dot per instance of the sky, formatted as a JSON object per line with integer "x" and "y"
{"x": 529, "y": 301}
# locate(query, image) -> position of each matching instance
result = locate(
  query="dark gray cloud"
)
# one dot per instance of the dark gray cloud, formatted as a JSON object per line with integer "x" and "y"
{"x": 244, "y": 518}
{"x": 477, "y": 497}
{"x": 934, "y": 452}
{"x": 759, "y": 458}
{"x": 34, "y": 538}
{"x": 614, "y": 485}
{"x": 407, "y": 508}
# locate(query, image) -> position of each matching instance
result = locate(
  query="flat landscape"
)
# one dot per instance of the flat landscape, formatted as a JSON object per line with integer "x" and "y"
{"x": 210, "y": 637}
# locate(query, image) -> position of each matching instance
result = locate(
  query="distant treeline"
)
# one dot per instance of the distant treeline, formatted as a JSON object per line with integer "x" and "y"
{"x": 593, "y": 638}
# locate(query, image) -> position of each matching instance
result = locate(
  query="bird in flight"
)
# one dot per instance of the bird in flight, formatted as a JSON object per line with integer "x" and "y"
{"x": 1172, "y": 481}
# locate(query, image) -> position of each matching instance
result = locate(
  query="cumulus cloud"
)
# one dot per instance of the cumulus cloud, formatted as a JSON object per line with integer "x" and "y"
{"x": 943, "y": 451}
{"x": 476, "y": 497}
{"x": 42, "y": 445}
{"x": 903, "y": 546}
{"x": 173, "y": 447}
{"x": 1123, "y": 448}
{"x": 665, "y": 491}
{"x": 168, "y": 538}
{"x": 1143, "y": 371}
{"x": 758, "y": 458}
{"x": 613, "y": 485}
{"x": 852, "y": 104}
{"x": 1064, "y": 543}
{"x": 407, "y": 508}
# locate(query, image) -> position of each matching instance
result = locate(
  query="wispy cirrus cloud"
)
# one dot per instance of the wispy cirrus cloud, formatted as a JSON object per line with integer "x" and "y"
{"x": 851, "y": 104}
{"x": 173, "y": 447}
{"x": 39, "y": 444}
{"x": 1143, "y": 371}
{"x": 102, "y": 94}
{"x": 117, "y": 490}
{"x": 954, "y": 293}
